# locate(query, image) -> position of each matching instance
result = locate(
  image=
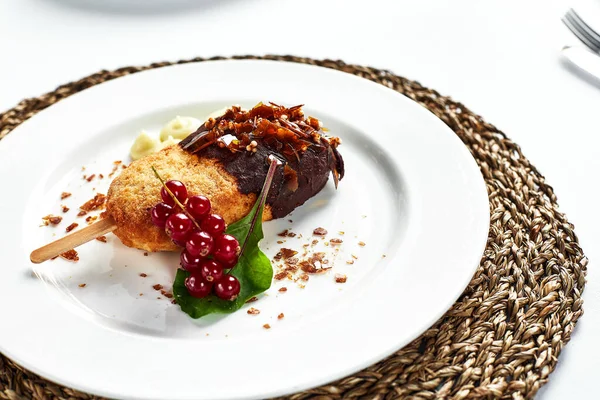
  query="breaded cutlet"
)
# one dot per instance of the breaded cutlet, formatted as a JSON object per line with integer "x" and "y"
{"x": 136, "y": 190}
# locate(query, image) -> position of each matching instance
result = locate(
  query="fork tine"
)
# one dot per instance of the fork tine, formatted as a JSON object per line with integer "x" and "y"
{"x": 590, "y": 32}
{"x": 574, "y": 28}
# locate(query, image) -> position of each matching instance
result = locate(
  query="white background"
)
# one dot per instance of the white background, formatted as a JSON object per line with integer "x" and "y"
{"x": 500, "y": 58}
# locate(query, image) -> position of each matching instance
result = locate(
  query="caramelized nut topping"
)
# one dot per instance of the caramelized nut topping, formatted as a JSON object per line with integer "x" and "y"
{"x": 320, "y": 232}
{"x": 70, "y": 255}
{"x": 52, "y": 219}
{"x": 71, "y": 227}
{"x": 95, "y": 203}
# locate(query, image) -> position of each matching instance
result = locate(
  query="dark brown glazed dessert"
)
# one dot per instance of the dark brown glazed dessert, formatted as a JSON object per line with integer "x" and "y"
{"x": 243, "y": 141}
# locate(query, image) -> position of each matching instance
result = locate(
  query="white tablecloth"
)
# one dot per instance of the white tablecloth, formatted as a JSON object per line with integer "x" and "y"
{"x": 500, "y": 58}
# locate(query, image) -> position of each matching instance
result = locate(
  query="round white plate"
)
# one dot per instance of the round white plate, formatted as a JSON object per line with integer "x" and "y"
{"x": 412, "y": 193}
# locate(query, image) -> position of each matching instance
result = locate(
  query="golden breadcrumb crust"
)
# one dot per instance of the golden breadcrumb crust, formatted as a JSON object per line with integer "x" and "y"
{"x": 136, "y": 190}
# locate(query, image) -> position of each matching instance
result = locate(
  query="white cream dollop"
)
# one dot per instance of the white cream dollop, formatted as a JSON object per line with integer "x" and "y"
{"x": 179, "y": 128}
{"x": 143, "y": 145}
{"x": 172, "y": 133}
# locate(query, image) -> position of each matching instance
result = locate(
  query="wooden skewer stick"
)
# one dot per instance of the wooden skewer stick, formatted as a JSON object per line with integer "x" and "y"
{"x": 73, "y": 240}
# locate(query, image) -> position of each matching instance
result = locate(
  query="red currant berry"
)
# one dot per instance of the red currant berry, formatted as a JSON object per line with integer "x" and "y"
{"x": 197, "y": 287}
{"x": 160, "y": 213}
{"x": 213, "y": 224}
{"x": 227, "y": 248}
{"x": 199, "y": 243}
{"x": 177, "y": 188}
{"x": 198, "y": 207}
{"x": 211, "y": 270}
{"x": 189, "y": 262}
{"x": 227, "y": 288}
{"x": 179, "y": 226}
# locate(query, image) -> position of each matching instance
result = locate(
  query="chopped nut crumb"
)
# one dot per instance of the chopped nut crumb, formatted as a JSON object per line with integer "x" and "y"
{"x": 143, "y": 275}
{"x": 101, "y": 239}
{"x": 52, "y": 219}
{"x": 339, "y": 278}
{"x": 253, "y": 311}
{"x": 82, "y": 285}
{"x": 65, "y": 209}
{"x": 336, "y": 241}
{"x": 70, "y": 255}
{"x": 168, "y": 295}
{"x": 383, "y": 256}
{"x": 146, "y": 254}
{"x": 283, "y": 289}
{"x": 141, "y": 294}
{"x": 320, "y": 232}
{"x": 283, "y": 234}
{"x": 341, "y": 232}
{"x": 90, "y": 178}
{"x": 64, "y": 195}
{"x": 95, "y": 203}
{"x": 353, "y": 256}
{"x": 281, "y": 275}
{"x": 290, "y": 221}
{"x": 71, "y": 227}
{"x": 313, "y": 265}
{"x": 304, "y": 277}
{"x": 101, "y": 176}
{"x": 314, "y": 242}
{"x": 267, "y": 326}
{"x": 291, "y": 260}
{"x": 158, "y": 286}
{"x": 280, "y": 241}
{"x": 252, "y": 299}
{"x": 115, "y": 167}
{"x": 301, "y": 286}
{"x": 362, "y": 244}
{"x": 173, "y": 301}
{"x": 287, "y": 253}
{"x": 81, "y": 213}
{"x": 280, "y": 316}
{"x": 350, "y": 262}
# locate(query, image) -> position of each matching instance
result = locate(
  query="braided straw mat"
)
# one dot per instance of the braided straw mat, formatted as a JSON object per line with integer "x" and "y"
{"x": 501, "y": 339}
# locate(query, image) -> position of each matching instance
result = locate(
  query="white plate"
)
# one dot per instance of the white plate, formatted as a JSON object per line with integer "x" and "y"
{"x": 412, "y": 192}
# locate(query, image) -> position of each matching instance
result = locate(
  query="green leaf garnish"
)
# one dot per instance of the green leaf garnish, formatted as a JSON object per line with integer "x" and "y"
{"x": 253, "y": 270}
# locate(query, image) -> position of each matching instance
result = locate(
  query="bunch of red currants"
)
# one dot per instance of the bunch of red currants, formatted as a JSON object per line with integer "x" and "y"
{"x": 208, "y": 250}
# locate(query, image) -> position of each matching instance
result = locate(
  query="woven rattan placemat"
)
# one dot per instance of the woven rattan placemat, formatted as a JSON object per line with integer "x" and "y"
{"x": 502, "y": 338}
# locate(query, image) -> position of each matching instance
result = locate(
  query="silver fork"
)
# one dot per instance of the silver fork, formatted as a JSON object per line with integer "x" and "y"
{"x": 583, "y": 31}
